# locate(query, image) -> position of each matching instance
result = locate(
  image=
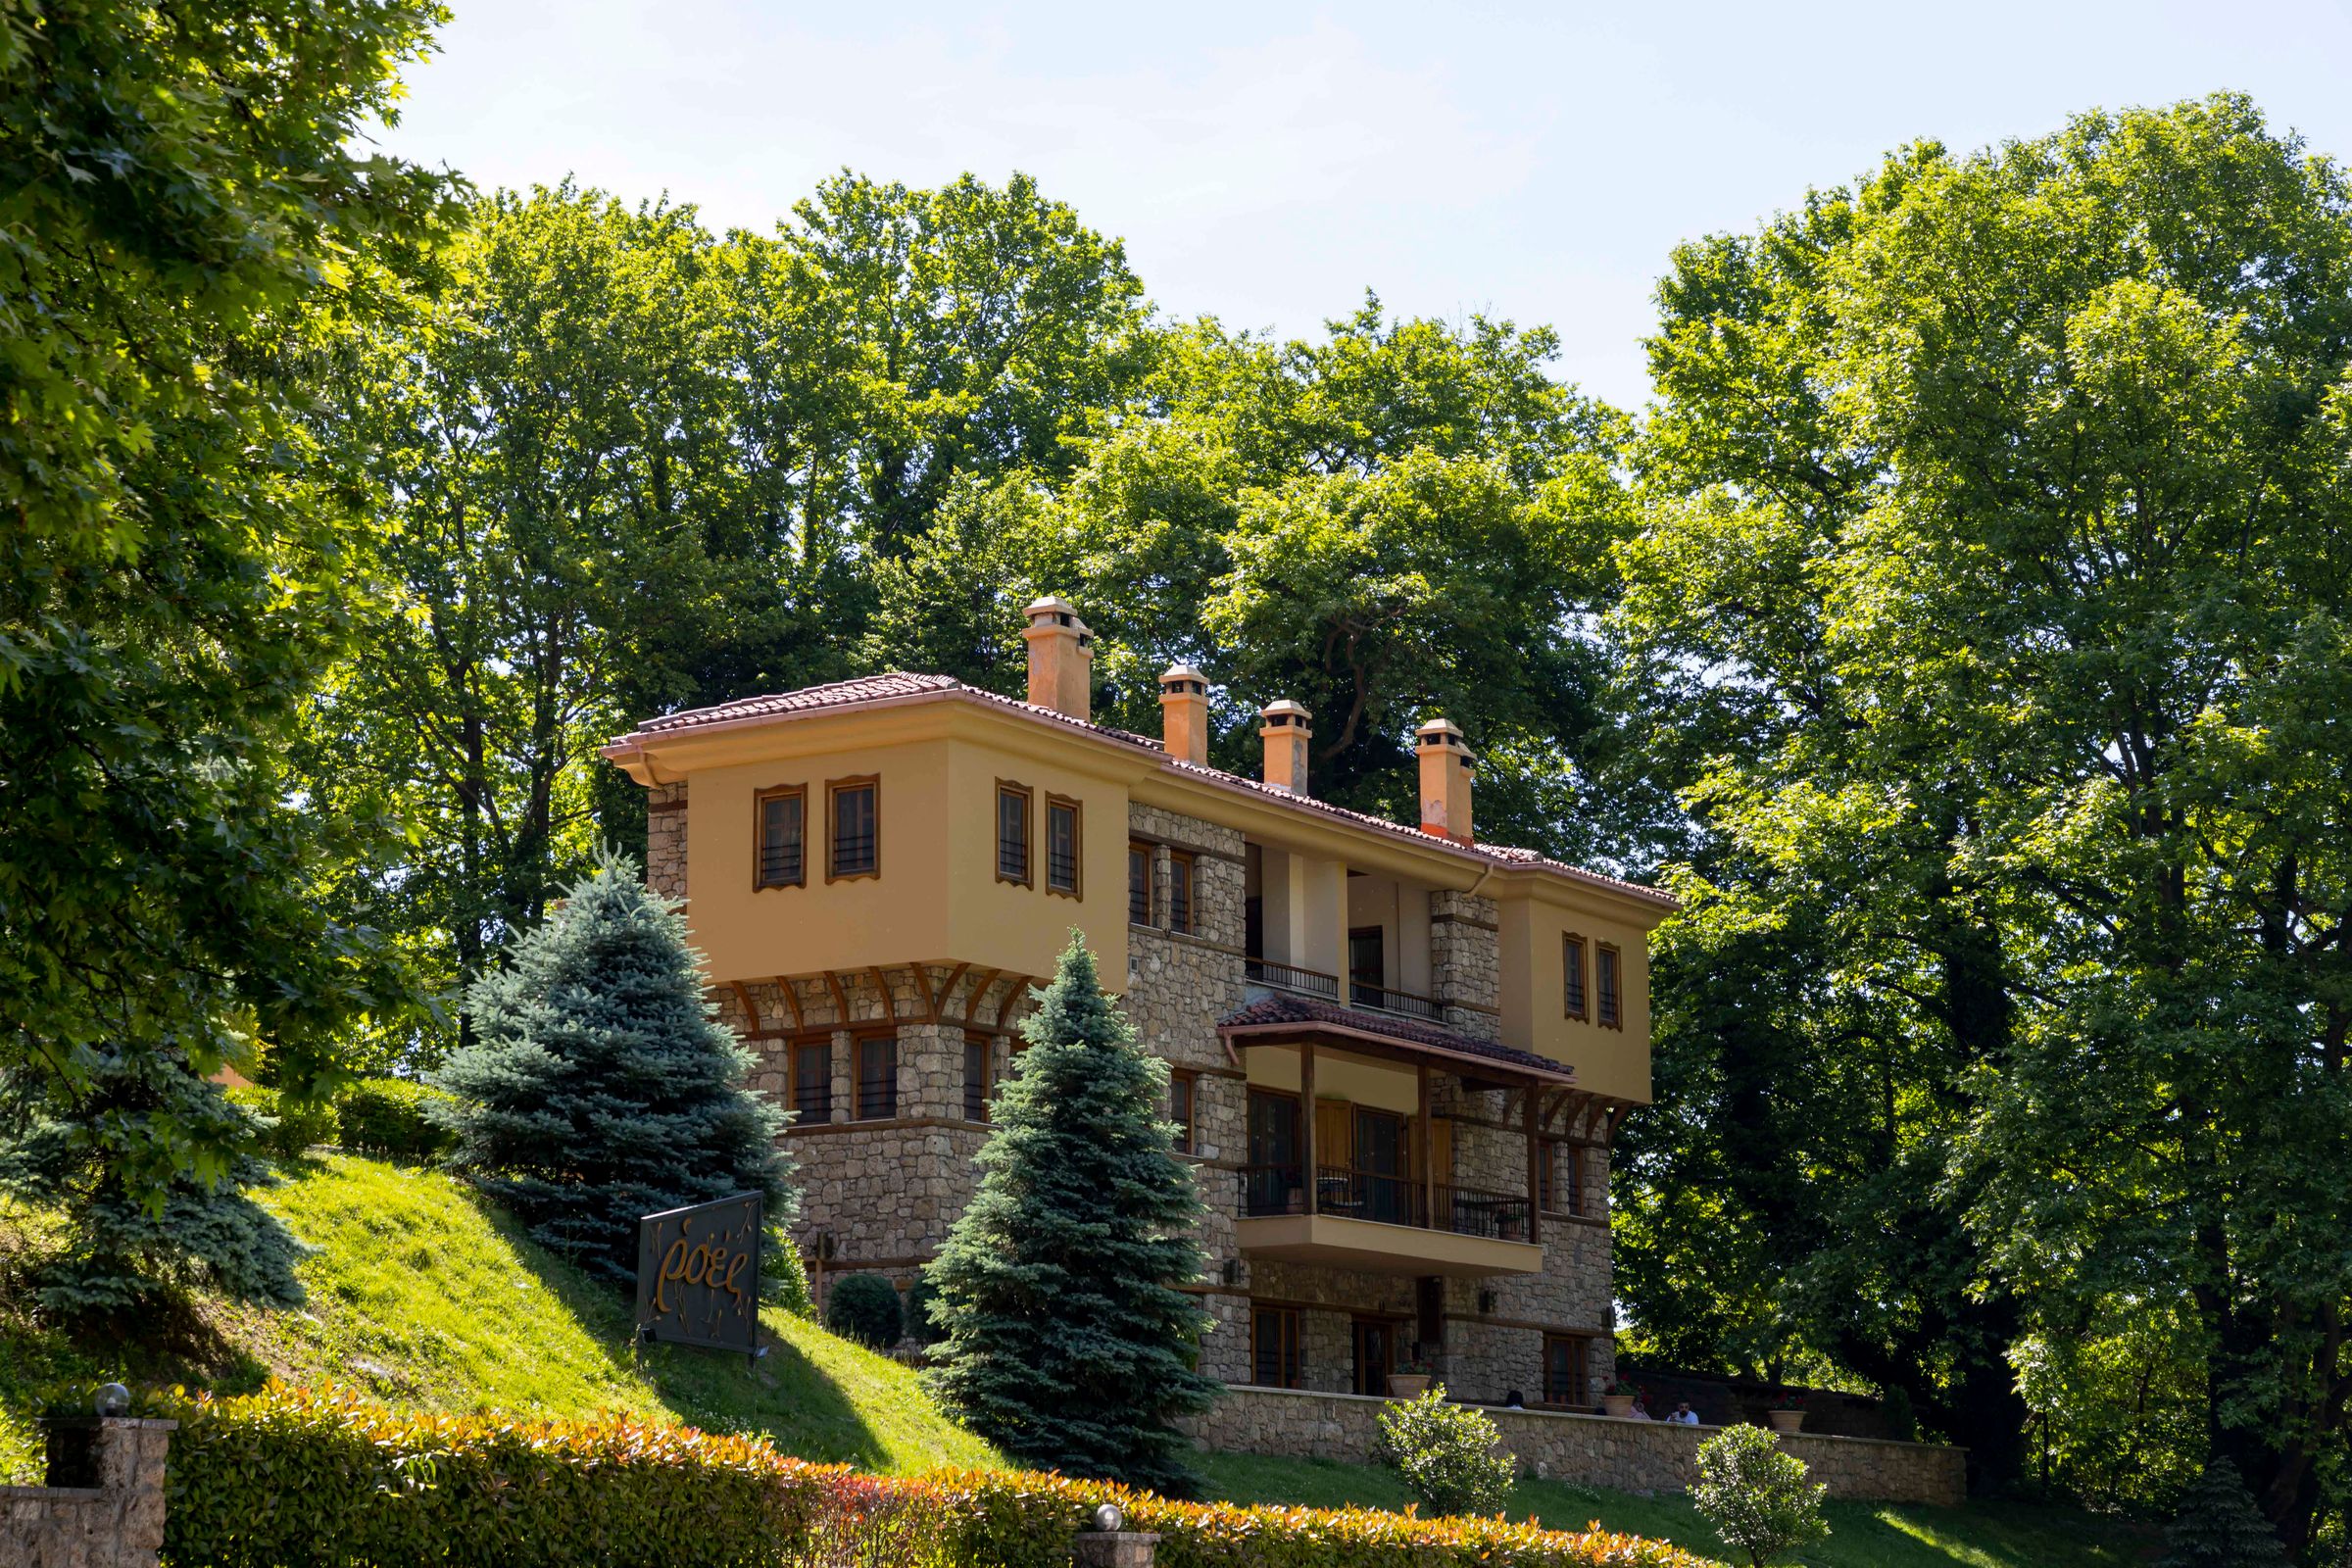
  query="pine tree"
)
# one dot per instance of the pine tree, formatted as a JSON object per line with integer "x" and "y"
{"x": 1065, "y": 1340}
{"x": 2218, "y": 1526}
{"x": 599, "y": 1086}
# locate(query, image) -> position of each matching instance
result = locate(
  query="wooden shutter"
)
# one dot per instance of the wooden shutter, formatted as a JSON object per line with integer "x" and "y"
{"x": 1335, "y": 1134}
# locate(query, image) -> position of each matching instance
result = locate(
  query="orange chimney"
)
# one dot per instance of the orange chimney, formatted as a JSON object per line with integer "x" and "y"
{"x": 1445, "y": 781}
{"x": 1183, "y": 714}
{"x": 1061, "y": 649}
{"x": 1286, "y": 736}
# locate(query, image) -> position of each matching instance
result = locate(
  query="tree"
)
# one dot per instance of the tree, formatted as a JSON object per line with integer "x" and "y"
{"x": 2218, "y": 1526}
{"x": 185, "y": 233}
{"x": 1997, "y": 588}
{"x": 1756, "y": 1496}
{"x": 601, "y": 1088}
{"x": 1447, "y": 1454}
{"x": 1065, "y": 1338}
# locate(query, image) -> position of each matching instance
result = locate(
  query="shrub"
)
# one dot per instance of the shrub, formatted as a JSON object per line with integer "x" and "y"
{"x": 387, "y": 1117}
{"x": 864, "y": 1307}
{"x": 1445, "y": 1453}
{"x": 2218, "y": 1524}
{"x": 1756, "y": 1496}
{"x": 289, "y": 1127}
{"x": 920, "y": 1326}
{"x": 290, "y": 1479}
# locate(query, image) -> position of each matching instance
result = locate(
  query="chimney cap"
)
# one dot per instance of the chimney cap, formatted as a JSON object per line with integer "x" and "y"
{"x": 1061, "y": 612}
{"x": 1285, "y": 714}
{"x": 1177, "y": 673}
{"x": 1441, "y": 732}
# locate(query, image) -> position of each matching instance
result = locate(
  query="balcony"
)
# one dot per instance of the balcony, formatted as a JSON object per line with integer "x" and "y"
{"x": 1360, "y": 993}
{"x": 1384, "y": 1223}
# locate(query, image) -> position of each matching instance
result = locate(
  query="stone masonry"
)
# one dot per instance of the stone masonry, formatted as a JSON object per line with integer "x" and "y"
{"x": 116, "y": 1523}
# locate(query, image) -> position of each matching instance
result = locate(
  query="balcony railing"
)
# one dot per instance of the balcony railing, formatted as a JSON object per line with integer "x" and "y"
{"x": 1384, "y": 1000}
{"x": 1290, "y": 977}
{"x": 1385, "y": 1199}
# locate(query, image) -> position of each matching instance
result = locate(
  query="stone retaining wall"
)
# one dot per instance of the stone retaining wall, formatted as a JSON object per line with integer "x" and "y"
{"x": 116, "y": 1523}
{"x": 1587, "y": 1449}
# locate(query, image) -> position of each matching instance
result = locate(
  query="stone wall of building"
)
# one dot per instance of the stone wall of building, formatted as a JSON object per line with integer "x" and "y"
{"x": 1644, "y": 1456}
{"x": 665, "y": 839}
{"x": 1465, "y": 962}
{"x": 116, "y": 1523}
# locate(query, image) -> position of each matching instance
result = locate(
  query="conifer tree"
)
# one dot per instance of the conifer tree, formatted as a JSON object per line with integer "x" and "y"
{"x": 601, "y": 1087}
{"x": 2218, "y": 1526}
{"x": 1065, "y": 1340}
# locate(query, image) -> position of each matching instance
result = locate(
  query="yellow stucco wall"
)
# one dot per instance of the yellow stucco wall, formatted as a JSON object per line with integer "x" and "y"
{"x": 1608, "y": 1061}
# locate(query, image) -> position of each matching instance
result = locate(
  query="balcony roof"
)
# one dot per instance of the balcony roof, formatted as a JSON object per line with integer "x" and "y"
{"x": 1290, "y": 1015}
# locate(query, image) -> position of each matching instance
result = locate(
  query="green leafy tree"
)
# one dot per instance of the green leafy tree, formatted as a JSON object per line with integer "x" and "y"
{"x": 601, "y": 1086}
{"x": 1756, "y": 1496}
{"x": 1446, "y": 1453}
{"x": 1065, "y": 1338}
{"x": 1994, "y": 600}
{"x": 185, "y": 233}
{"x": 2218, "y": 1526}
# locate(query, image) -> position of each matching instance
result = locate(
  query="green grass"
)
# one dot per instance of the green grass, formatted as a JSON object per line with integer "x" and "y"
{"x": 425, "y": 1294}
{"x": 1865, "y": 1535}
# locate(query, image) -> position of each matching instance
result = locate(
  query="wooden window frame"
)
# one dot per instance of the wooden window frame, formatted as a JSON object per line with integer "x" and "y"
{"x": 1077, "y": 809}
{"x": 1553, "y": 1151}
{"x": 1187, "y": 1140}
{"x": 1027, "y": 878}
{"x": 1612, "y": 1017}
{"x": 834, "y": 789}
{"x": 798, "y": 1050}
{"x": 1582, "y": 1392}
{"x": 986, "y": 1045}
{"x": 1573, "y": 948}
{"x": 1151, "y": 883}
{"x": 1190, "y": 881}
{"x": 1290, "y": 1358}
{"x": 760, "y": 800}
{"x": 857, "y": 1044}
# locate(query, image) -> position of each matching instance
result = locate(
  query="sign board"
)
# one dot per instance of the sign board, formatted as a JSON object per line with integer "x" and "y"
{"x": 698, "y": 1275}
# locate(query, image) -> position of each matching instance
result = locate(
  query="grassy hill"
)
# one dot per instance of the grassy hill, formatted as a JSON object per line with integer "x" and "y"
{"x": 425, "y": 1294}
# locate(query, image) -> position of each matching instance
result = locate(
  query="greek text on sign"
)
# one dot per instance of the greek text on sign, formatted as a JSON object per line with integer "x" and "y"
{"x": 698, "y": 1274}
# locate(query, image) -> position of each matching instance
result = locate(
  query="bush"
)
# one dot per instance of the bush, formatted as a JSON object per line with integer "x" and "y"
{"x": 2218, "y": 1524}
{"x": 289, "y": 1126}
{"x": 290, "y": 1479}
{"x": 1756, "y": 1496}
{"x": 1445, "y": 1453}
{"x": 864, "y": 1307}
{"x": 387, "y": 1117}
{"x": 920, "y": 1330}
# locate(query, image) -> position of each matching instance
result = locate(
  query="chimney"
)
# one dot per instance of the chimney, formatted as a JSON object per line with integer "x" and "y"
{"x": 1183, "y": 714}
{"x": 1286, "y": 735}
{"x": 1061, "y": 649}
{"x": 1445, "y": 781}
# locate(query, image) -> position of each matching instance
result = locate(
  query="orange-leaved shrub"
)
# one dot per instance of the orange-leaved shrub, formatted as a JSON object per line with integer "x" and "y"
{"x": 291, "y": 1478}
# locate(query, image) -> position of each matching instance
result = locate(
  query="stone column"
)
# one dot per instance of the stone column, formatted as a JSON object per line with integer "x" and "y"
{"x": 1465, "y": 962}
{"x": 665, "y": 839}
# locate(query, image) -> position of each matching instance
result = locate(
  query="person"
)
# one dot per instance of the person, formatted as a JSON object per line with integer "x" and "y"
{"x": 1513, "y": 1402}
{"x": 1684, "y": 1415}
{"x": 1640, "y": 1411}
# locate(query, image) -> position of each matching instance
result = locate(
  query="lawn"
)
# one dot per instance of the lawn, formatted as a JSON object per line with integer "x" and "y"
{"x": 1864, "y": 1535}
{"x": 422, "y": 1294}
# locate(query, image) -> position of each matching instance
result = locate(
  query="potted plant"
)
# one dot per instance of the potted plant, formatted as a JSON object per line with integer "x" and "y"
{"x": 1409, "y": 1380}
{"x": 1509, "y": 1225}
{"x": 1617, "y": 1396}
{"x": 1787, "y": 1414}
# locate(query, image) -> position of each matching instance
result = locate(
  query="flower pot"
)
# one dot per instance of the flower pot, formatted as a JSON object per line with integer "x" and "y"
{"x": 1617, "y": 1405}
{"x": 1407, "y": 1385}
{"x": 1785, "y": 1420}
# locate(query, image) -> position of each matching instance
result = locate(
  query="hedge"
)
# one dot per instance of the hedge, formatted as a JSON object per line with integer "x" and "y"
{"x": 386, "y": 1116}
{"x": 325, "y": 1479}
{"x": 295, "y": 1125}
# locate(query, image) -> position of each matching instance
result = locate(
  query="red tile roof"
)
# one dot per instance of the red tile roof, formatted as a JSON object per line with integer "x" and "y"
{"x": 1287, "y": 1009}
{"x": 898, "y": 686}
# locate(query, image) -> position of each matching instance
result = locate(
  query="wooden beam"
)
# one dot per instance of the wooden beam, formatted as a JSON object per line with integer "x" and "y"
{"x": 841, "y": 1001}
{"x": 946, "y": 989}
{"x": 890, "y": 1003}
{"x": 792, "y": 995}
{"x": 751, "y": 1010}
{"x": 1429, "y": 1152}
{"x": 1013, "y": 994}
{"x": 1306, "y": 1112}
{"x": 1535, "y": 1173}
{"x": 922, "y": 984}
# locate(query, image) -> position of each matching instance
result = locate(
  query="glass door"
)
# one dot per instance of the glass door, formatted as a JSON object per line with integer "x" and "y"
{"x": 1380, "y": 1166}
{"x": 1271, "y": 1184}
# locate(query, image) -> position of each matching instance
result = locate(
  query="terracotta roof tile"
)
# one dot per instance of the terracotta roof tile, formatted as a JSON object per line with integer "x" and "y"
{"x": 1284, "y": 1007}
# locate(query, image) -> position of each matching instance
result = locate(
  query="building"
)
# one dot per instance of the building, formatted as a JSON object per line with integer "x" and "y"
{"x": 1399, "y": 1055}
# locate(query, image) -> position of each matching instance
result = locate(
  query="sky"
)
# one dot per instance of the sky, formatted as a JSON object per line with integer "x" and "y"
{"x": 1268, "y": 163}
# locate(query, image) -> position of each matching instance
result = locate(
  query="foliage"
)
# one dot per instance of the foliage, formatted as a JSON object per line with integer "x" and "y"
{"x": 1447, "y": 1454}
{"x": 266, "y": 1478}
{"x": 601, "y": 1088}
{"x": 287, "y": 1127}
{"x": 1065, "y": 1338}
{"x": 2218, "y": 1526}
{"x": 864, "y": 1307}
{"x": 1994, "y": 600}
{"x": 129, "y": 1246}
{"x": 1756, "y": 1496}
{"x": 391, "y": 1117}
{"x": 185, "y": 228}
{"x": 920, "y": 1330}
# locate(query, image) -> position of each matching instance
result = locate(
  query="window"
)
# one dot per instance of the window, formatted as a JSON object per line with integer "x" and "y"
{"x": 1183, "y": 1087}
{"x": 1564, "y": 1358}
{"x": 777, "y": 816}
{"x": 1139, "y": 884}
{"x": 1012, "y": 833}
{"x": 878, "y": 1078}
{"x": 1061, "y": 846}
{"x": 1604, "y": 986}
{"x": 1180, "y": 891}
{"x": 854, "y": 829}
{"x": 1367, "y": 972}
{"x": 1377, "y": 1343}
{"x": 975, "y": 1077}
{"x": 812, "y": 1080}
{"x": 1563, "y": 1177}
{"x": 1274, "y": 1347}
{"x": 1572, "y": 975}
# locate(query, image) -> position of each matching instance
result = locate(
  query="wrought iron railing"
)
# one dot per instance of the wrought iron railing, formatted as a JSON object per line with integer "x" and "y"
{"x": 1385, "y": 1199}
{"x": 1290, "y": 977}
{"x": 1386, "y": 999}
